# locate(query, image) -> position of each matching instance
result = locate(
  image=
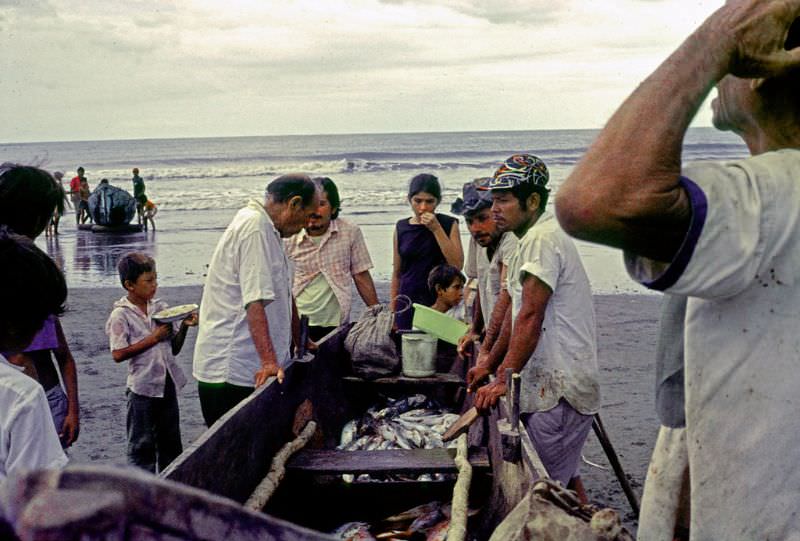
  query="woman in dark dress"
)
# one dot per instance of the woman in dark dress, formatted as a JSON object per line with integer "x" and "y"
{"x": 421, "y": 242}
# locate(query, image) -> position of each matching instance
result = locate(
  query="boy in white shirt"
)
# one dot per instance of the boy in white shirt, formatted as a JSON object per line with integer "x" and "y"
{"x": 153, "y": 425}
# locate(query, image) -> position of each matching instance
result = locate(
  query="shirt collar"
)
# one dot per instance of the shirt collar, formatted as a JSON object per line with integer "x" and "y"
{"x": 124, "y": 302}
{"x": 332, "y": 228}
{"x": 259, "y": 207}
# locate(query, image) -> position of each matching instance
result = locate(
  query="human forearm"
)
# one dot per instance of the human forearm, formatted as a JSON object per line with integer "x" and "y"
{"x": 258, "y": 324}
{"x": 394, "y": 290}
{"x": 528, "y": 325}
{"x": 625, "y": 191}
{"x": 69, "y": 374}
{"x": 497, "y": 320}
{"x": 123, "y": 354}
{"x": 499, "y": 346}
{"x": 366, "y": 288}
{"x": 451, "y": 247}
{"x": 68, "y": 432}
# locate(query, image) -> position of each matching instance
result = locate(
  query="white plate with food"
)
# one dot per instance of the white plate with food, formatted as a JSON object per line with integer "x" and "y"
{"x": 175, "y": 313}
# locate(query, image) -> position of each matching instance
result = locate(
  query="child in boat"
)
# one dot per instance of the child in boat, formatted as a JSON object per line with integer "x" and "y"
{"x": 447, "y": 283}
{"x": 153, "y": 427}
{"x": 149, "y": 212}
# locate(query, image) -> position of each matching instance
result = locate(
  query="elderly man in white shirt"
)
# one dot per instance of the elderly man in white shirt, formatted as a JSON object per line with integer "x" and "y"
{"x": 246, "y": 312}
{"x": 726, "y": 235}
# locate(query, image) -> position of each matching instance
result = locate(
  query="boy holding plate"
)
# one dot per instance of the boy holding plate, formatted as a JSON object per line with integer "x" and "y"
{"x": 153, "y": 426}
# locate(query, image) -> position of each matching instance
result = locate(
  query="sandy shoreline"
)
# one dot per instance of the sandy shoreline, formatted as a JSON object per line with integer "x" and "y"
{"x": 627, "y": 327}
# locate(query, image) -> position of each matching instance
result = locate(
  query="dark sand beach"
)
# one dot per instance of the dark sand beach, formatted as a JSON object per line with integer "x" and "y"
{"x": 627, "y": 326}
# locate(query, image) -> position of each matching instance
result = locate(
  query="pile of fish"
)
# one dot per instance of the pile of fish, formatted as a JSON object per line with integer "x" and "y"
{"x": 430, "y": 521}
{"x": 414, "y": 422}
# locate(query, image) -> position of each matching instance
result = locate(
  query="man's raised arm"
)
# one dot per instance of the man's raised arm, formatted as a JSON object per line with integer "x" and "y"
{"x": 626, "y": 191}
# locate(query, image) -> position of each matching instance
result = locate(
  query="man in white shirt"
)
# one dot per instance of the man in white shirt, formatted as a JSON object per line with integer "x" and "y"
{"x": 490, "y": 250}
{"x": 553, "y": 344}
{"x": 727, "y": 236}
{"x": 246, "y": 312}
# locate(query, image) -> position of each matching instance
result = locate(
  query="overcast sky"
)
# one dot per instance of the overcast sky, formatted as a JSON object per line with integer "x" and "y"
{"x": 106, "y": 69}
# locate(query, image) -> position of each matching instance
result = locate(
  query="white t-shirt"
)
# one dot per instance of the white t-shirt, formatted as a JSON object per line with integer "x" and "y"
{"x": 248, "y": 265}
{"x": 740, "y": 266}
{"x": 564, "y": 363}
{"x": 488, "y": 272}
{"x": 28, "y": 438}
{"x": 147, "y": 371}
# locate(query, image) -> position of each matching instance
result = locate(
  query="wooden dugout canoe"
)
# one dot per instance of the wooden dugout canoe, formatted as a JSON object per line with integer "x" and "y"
{"x": 200, "y": 495}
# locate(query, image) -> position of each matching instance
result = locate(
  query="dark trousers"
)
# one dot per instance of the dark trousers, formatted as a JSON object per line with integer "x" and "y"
{"x": 154, "y": 432}
{"x": 316, "y": 333}
{"x": 216, "y": 399}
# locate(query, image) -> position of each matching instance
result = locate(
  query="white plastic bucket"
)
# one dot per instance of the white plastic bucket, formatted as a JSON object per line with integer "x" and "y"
{"x": 419, "y": 354}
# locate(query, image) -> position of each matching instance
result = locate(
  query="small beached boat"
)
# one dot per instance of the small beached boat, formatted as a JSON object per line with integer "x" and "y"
{"x": 112, "y": 210}
{"x": 205, "y": 493}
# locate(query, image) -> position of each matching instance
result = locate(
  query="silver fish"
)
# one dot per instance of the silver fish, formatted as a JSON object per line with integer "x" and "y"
{"x": 348, "y": 433}
{"x": 415, "y": 437}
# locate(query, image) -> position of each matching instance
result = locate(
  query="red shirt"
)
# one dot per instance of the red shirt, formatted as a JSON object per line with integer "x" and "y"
{"x": 75, "y": 185}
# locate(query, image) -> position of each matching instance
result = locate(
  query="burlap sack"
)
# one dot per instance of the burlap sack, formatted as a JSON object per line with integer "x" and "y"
{"x": 370, "y": 344}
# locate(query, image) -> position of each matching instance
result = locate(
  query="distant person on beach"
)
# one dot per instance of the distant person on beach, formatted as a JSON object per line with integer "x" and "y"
{"x": 490, "y": 250}
{"x": 154, "y": 376}
{"x": 84, "y": 191}
{"x": 139, "y": 195}
{"x": 31, "y": 289}
{"x": 550, "y": 325}
{"x": 421, "y": 242}
{"x": 727, "y": 236}
{"x": 27, "y": 196}
{"x": 247, "y": 309}
{"x": 329, "y": 254}
{"x": 75, "y": 194}
{"x": 149, "y": 213}
{"x": 52, "y": 226}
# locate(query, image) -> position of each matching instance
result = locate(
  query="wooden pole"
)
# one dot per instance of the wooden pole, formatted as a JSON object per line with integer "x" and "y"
{"x": 267, "y": 487}
{"x": 605, "y": 442}
{"x": 460, "y": 506}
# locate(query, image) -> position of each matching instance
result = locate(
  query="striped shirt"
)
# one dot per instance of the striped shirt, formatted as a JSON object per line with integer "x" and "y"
{"x": 341, "y": 254}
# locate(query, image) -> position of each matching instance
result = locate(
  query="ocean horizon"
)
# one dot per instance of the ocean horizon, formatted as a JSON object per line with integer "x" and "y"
{"x": 199, "y": 183}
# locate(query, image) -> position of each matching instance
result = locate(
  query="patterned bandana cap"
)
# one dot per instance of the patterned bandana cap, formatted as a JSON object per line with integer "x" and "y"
{"x": 519, "y": 169}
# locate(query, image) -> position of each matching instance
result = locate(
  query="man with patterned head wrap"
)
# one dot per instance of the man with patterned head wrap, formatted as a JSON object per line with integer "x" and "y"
{"x": 553, "y": 344}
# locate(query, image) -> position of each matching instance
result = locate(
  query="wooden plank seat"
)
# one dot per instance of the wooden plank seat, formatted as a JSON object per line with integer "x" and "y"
{"x": 389, "y": 461}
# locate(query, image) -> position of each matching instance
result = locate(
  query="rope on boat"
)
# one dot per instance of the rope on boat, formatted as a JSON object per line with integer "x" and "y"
{"x": 460, "y": 508}
{"x": 267, "y": 487}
